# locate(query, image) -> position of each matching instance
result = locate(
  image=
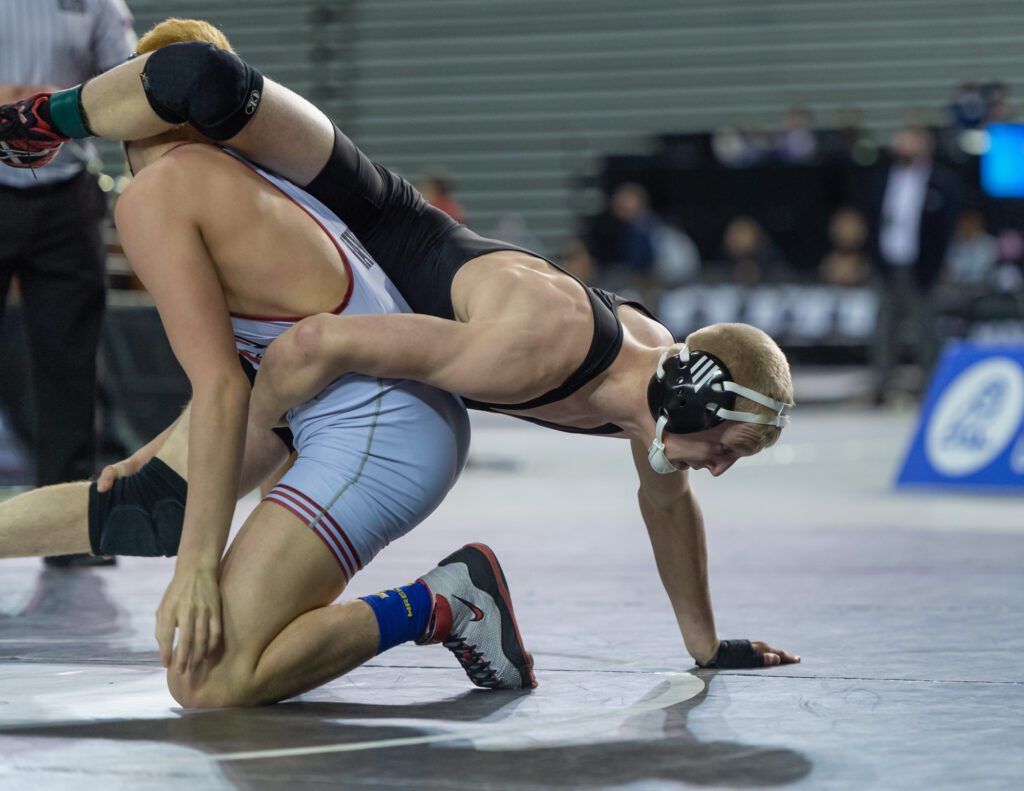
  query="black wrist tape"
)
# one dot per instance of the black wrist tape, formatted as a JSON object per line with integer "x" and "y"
{"x": 735, "y": 654}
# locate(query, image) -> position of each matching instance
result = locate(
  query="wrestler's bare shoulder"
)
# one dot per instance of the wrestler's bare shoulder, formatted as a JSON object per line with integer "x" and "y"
{"x": 511, "y": 264}
{"x": 509, "y": 281}
{"x": 642, "y": 329}
{"x": 183, "y": 178}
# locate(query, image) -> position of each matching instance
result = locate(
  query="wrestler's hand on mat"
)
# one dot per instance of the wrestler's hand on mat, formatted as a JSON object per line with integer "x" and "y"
{"x": 736, "y": 654}
{"x": 191, "y": 606}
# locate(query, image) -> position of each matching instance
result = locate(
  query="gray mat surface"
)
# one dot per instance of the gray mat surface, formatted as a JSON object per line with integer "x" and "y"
{"x": 907, "y": 609}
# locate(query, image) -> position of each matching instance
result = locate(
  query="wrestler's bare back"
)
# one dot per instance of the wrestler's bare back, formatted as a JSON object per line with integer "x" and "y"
{"x": 271, "y": 257}
{"x": 518, "y": 290}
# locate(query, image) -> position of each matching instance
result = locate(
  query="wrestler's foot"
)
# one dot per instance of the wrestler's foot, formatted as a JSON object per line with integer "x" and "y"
{"x": 473, "y": 618}
{"x": 28, "y": 138}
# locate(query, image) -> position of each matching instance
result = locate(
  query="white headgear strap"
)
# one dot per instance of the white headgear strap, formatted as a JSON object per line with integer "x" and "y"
{"x": 757, "y": 398}
{"x": 656, "y": 453}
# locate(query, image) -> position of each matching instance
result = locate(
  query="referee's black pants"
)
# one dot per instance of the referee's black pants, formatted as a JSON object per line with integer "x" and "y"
{"x": 50, "y": 237}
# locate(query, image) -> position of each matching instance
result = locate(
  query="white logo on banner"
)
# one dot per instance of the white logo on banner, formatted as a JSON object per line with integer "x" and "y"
{"x": 977, "y": 417}
{"x": 1017, "y": 457}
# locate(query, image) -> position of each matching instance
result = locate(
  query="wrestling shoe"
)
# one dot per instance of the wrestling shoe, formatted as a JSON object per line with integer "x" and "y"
{"x": 27, "y": 137}
{"x": 472, "y": 617}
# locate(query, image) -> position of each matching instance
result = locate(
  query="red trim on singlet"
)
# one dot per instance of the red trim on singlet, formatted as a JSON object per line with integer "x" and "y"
{"x": 252, "y": 358}
{"x": 337, "y": 246}
{"x": 318, "y": 526}
{"x": 327, "y": 517}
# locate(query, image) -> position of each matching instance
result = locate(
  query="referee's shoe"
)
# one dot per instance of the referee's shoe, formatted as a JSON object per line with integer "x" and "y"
{"x": 78, "y": 561}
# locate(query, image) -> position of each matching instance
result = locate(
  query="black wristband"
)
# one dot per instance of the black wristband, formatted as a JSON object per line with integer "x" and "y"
{"x": 734, "y": 654}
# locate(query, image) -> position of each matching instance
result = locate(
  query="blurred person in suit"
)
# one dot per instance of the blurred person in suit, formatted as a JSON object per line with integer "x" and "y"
{"x": 913, "y": 210}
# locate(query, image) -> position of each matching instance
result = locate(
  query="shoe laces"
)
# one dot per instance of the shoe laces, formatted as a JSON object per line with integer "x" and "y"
{"x": 10, "y": 119}
{"x": 477, "y": 667}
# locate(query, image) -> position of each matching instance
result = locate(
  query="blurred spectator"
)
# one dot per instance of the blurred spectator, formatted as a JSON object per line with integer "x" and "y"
{"x": 913, "y": 212}
{"x": 847, "y": 263}
{"x": 999, "y": 110}
{"x": 677, "y": 259}
{"x": 512, "y": 228}
{"x": 650, "y": 254}
{"x": 850, "y": 141}
{"x": 437, "y": 187}
{"x": 1009, "y": 273}
{"x": 796, "y": 143}
{"x": 575, "y": 259}
{"x": 750, "y": 257}
{"x": 973, "y": 253}
{"x": 969, "y": 109}
{"x": 740, "y": 145}
{"x": 630, "y": 206}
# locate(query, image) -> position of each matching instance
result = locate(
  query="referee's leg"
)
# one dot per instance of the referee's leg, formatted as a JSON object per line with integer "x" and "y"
{"x": 16, "y": 223}
{"x": 64, "y": 294}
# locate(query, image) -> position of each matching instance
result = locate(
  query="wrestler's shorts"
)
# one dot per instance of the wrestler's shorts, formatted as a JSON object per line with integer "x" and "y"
{"x": 375, "y": 458}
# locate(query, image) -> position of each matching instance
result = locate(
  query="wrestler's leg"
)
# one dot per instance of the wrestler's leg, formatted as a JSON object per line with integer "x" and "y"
{"x": 282, "y": 635}
{"x": 54, "y": 520}
{"x": 286, "y": 134}
{"x": 492, "y": 361}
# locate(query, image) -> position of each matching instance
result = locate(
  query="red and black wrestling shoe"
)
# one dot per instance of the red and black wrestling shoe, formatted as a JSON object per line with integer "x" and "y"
{"x": 473, "y": 618}
{"x": 28, "y": 138}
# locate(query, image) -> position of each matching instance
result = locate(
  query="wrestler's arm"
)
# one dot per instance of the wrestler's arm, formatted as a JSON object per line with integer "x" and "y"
{"x": 265, "y": 452}
{"x": 137, "y": 460}
{"x": 675, "y": 526}
{"x": 157, "y": 220}
{"x": 287, "y": 134}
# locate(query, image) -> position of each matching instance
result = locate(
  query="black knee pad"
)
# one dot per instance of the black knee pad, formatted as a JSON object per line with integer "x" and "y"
{"x": 196, "y": 83}
{"x": 140, "y": 515}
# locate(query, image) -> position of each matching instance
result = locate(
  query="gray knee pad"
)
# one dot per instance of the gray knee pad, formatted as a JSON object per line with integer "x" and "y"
{"x": 140, "y": 515}
{"x": 213, "y": 90}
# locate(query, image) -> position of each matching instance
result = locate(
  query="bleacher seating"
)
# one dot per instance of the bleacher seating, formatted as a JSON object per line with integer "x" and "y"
{"x": 522, "y": 99}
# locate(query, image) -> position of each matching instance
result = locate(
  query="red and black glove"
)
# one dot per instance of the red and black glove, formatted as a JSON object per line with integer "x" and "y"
{"x": 28, "y": 138}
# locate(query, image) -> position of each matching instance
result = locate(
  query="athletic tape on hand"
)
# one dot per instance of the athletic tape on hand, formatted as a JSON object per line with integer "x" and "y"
{"x": 733, "y": 655}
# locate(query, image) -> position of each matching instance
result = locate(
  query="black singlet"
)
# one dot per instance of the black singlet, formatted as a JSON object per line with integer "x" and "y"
{"x": 604, "y": 348}
{"x": 421, "y": 249}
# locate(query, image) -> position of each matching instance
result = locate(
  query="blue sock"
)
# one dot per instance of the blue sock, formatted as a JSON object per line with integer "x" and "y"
{"x": 402, "y": 613}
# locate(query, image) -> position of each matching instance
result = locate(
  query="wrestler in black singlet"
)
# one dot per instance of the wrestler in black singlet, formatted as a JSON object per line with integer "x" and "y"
{"x": 421, "y": 248}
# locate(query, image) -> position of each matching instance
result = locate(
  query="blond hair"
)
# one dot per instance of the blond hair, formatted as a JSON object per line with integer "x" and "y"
{"x": 177, "y": 31}
{"x": 755, "y": 361}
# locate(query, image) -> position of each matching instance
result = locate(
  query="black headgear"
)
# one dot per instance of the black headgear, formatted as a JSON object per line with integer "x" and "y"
{"x": 682, "y": 391}
{"x": 694, "y": 391}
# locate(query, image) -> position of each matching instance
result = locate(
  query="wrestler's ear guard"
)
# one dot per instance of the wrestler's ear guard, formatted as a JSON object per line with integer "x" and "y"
{"x": 692, "y": 392}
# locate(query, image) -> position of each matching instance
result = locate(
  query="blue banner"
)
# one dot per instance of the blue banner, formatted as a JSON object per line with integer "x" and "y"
{"x": 971, "y": 430}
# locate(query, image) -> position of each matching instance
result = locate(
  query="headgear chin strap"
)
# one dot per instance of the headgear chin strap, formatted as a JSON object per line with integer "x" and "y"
{"x": 692, "y": 392}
